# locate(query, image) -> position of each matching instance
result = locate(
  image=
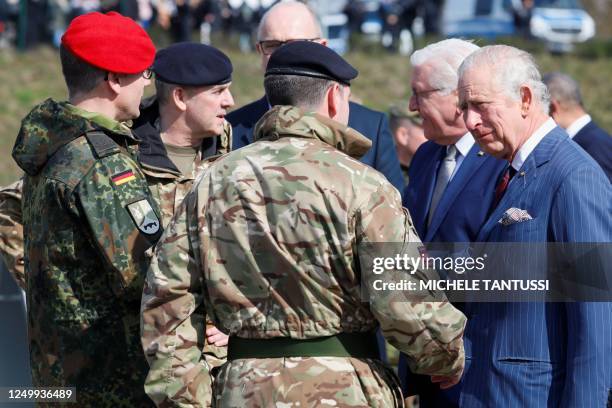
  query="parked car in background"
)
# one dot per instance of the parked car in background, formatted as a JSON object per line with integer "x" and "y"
{"x": 561, "y": 23}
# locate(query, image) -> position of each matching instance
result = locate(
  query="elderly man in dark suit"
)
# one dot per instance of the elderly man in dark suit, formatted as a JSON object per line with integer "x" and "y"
{"x": 534, "y": 354}
{"x": 567, "y": 109}
{"x": 289, "y": 21}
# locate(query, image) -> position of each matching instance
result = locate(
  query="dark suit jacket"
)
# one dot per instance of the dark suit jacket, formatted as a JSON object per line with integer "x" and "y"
{"x": 465, "y": 203}
{"x": 544, "y": 354}
{"x": 598, "y": 144}
{"x": 461, "y": 212}
{"x": 372, "y": 124}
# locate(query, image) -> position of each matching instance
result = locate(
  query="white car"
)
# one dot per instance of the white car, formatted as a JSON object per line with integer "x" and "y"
{"x": 561, "y": 23}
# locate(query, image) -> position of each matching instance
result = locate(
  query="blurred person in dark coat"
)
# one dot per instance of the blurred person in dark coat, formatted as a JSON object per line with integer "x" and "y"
{"x": 567, "y": 109}
{"x": 407, "y": 131}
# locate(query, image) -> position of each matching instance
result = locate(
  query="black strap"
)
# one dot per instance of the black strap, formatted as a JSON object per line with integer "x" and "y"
{"x": 101, "y": 143}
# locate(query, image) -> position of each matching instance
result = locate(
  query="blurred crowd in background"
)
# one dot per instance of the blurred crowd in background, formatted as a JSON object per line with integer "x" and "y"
{"x": 394, "y": 23}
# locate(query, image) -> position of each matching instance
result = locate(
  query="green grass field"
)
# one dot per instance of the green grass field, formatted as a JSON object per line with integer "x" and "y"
{"x": 28, "y": 78}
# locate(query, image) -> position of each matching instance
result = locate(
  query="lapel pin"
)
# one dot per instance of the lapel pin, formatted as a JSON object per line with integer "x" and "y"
{"x": 480, "y": 153}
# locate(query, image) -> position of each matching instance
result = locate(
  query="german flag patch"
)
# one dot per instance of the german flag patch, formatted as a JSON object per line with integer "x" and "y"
{"x": 123, "y": 177}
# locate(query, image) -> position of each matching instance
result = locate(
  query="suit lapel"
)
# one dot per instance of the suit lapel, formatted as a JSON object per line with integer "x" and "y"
{"x": 428, "y": 182}
{"x": 468, "y": 167}
{"x": 528, "y": 172}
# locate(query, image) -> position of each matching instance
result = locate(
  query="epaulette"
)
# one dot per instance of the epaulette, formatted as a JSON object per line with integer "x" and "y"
{"x": 101, "y": 143}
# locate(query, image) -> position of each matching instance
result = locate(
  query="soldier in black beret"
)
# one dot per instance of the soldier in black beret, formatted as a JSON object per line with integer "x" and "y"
{"x": 182, "y": 129}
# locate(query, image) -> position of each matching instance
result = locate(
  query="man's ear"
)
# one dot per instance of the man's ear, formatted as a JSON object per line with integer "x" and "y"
{"x": 555, "y": 107}
{"x": 526, "y": 100}
{"x": 333, "y": 100}
{"x": 401, "y": 136}
{"x": 113, "y": 81}
{"x": 179, "y": 98}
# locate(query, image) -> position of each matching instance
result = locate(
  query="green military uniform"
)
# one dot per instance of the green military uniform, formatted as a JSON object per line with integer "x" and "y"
{"x": 88, "y": 219}
{"x": 11, "y": 231}
{"x": 267, "y": 239}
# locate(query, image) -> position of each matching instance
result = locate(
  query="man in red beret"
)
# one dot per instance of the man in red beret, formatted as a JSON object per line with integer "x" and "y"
{"x": 89, "y": 217}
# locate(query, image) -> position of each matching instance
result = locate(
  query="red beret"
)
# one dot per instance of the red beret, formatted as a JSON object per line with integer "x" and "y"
{"x": 110, "y": 42}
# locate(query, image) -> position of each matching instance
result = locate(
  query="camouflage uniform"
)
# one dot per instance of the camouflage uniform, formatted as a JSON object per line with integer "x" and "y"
{"x": 168, "y": 185}
{"x": 89, "y": 217}
{"x": 267, "y": 241}
{"x": 11, "y": 230}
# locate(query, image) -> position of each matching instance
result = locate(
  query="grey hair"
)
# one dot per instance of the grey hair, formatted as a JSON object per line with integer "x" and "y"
{"x": 301, "y": 91}
{"x": 264, "y": 18}
{"x": 563, "y": 89}
{"x": 444, "y": 57}
{"x": 511, "y": 69}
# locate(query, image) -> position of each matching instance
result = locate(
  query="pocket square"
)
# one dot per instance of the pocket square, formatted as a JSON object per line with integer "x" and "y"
{"x": 514, "y": 215}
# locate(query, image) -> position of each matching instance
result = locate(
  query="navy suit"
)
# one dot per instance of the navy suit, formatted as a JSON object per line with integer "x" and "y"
{"x": 372, "y": 124}
{"x": 459, "y": 216}
{"x": 544, "y": 354}
{"x": 598, "y": 144}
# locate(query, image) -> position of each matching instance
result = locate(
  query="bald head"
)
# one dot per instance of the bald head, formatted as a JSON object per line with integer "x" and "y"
{"x": 290, "y": 20}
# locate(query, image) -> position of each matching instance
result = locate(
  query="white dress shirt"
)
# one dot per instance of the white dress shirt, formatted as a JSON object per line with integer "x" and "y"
{"x": 531, "y": 143}
{"x": 463, "y": 145}
{"x": 577, "y": 125}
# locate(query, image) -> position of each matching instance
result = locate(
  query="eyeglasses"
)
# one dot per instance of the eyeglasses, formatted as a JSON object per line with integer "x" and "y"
{"x": 146, "y": 74}
{"x": 419, "y": 95}
{"x": 267, "y": 47}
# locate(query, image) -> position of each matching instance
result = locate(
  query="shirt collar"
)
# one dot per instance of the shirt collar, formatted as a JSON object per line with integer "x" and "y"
{"x": 577, "y": 125}
{"x": 464, "y": 145}
{"x": 531, "y": 143}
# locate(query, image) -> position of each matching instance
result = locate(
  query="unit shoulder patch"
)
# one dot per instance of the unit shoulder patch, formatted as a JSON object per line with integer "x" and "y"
{"x": 144, "y": 216}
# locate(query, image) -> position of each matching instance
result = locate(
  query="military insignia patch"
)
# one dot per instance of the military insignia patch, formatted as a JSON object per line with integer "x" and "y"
{"x": 123, "y": 177}
{"x": 144, "y": 217}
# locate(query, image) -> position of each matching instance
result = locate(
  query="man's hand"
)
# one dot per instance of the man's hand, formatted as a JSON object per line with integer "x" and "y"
{"x": 445, "y": 382}
{"x": 216, "y": 337}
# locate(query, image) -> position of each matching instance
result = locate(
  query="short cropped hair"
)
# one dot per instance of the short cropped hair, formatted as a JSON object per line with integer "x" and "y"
{"x": 564, "y": 89}
{"x": 80, "y": 77}
{"x": 302, "y": 91}
{"x": 445, "y": 57}
{"x": 163, "y": 91}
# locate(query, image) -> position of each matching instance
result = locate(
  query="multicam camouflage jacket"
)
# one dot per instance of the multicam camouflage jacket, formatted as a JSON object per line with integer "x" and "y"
{"x": 11, "y": 231}
{"x": 168, "y": 185}
{"x": 88, "y": 219}
{"x": 267, "y": 240}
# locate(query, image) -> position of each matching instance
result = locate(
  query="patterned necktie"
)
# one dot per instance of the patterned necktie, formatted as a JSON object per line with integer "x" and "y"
{"x": 503, "y": 184}
{"x": 447, "y": 167}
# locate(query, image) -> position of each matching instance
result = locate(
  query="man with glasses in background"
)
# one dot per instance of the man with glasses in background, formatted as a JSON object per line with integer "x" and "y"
{"x": 89, "y": 217}
{"x": 290, "y": 21}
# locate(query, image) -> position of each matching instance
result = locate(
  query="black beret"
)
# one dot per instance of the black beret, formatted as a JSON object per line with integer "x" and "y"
{"x": 192, "y": 64}
{"x": 307, "y": 58}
